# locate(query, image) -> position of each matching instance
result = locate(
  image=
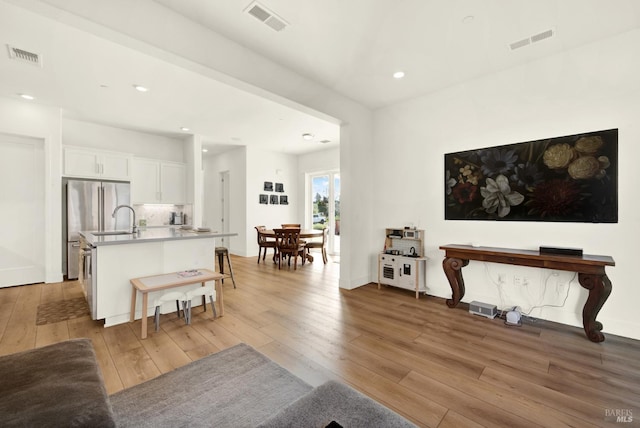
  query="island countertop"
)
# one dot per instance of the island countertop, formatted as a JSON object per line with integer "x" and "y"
{"x": 96, "y": 239}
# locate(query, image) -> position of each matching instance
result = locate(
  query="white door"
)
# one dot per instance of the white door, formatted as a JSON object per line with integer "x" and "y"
{"x": 22, "y": 213}
{"x": 224, "y": 207}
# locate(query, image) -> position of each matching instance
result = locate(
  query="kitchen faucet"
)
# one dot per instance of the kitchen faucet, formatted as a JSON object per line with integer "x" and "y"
{"x": 133, "y": 228}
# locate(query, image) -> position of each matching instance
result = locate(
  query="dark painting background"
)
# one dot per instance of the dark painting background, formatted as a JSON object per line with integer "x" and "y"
{"x": 571, "y": 178}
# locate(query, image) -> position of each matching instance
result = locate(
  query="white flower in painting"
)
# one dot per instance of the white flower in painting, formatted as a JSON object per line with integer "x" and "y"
{"x": 450, "y": 182}
{"x": 499, "y": 197}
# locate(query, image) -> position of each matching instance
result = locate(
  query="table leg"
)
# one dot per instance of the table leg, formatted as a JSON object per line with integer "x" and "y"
{"x": 453, "y": 270}
{"x": 219, "y": 296}
{"x": 417, "y": 271}
{"x": 145, "y": 298}
{"x": 134, "y": 293}
{"x": 599, "y": 287}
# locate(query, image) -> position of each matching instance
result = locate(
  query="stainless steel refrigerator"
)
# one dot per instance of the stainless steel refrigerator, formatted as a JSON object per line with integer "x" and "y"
{"x": 90, "y": 206}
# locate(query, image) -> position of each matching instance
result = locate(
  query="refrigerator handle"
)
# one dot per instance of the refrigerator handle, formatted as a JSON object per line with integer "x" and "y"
{"x": 101, "y": 212}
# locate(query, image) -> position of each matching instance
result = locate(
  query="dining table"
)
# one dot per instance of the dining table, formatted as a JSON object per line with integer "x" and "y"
{"x": 304, "y": 234}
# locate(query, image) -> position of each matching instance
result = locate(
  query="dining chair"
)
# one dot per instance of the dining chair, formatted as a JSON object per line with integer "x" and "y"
{"x": 288, "y": 245}
{"x": 291, "y": 225}
{"x": 264, "y": 242}
{"x": 320, "y": 244}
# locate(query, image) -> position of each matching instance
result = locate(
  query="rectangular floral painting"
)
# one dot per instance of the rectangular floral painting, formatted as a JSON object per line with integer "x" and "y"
{"x": 562, "y": 179}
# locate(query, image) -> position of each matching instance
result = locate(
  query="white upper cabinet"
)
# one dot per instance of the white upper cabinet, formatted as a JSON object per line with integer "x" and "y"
{"x": 158, "y": 182}
{"x": 88, "y": 163}
{"x": 145, "y": 183}
{"x": 173, "y": 183}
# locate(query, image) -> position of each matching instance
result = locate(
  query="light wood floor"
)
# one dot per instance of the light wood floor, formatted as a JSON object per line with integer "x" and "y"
{"x": 438, "y": 367}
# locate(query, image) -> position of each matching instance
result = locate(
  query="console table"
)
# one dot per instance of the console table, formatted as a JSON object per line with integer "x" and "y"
{"x": 590, "y": 269}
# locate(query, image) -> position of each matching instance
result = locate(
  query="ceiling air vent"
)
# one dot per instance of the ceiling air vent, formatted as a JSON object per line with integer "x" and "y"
{"x": 533, "y": 39}
{"x": 266, "y": 16}
{"x": 24, "y": 56}
{"x": 541, "y": 36}
{"x": 519, "y": 44}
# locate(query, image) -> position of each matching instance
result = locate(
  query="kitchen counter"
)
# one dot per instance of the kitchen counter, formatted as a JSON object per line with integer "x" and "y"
{"x": 114, "y": 261}
{"x": 148, "y": 235}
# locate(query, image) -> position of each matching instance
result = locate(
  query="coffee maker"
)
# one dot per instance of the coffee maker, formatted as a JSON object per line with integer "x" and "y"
{"x": 176, "y": 218}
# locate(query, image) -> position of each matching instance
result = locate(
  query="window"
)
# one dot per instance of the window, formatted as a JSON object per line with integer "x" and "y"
{"x": 324, "y": 201}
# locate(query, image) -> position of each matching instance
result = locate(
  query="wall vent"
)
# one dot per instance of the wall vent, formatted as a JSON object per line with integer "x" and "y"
{"x": 533, "y": 39}
{"x": 24, "y": 56}
{"x": 266, "y": 16}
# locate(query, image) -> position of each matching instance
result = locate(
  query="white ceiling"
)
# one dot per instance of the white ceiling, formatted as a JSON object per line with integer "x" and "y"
{"x": 350, "y": 46}
{"x": 354, "y": 46}
{"x": 92, "y": 79}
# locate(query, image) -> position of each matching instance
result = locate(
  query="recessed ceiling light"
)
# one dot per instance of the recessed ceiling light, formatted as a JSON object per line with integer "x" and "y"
{"x": 205, "y": 150}
{"x": 307, "y": 136}
{"x": 184, "y": 128}
{"x": 27, "y": 97}
{"x": 398, "y": 75}
{"x": 140, "y": 88}
{"x": 325, "y": 141}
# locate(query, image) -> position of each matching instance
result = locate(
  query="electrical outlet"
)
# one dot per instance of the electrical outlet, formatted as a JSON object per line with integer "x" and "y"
{"x": 525, "y": 281}
{"x": 517, "y": 281}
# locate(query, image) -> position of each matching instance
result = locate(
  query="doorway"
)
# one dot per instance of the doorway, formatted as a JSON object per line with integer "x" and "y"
{"x": 324, "y": 206}
{"x": 22, "y": 210}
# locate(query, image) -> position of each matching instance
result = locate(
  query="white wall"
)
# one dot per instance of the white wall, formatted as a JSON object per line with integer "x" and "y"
{"x": 235, "y": 162}
{"x": 261, "y": 166}
{"x": 33, "y": 120}
{"x": 249, "y": 168}
{"x": 86, "y": 134}
{"x": 592, "y": 88}
{"x": 278, "y": 168}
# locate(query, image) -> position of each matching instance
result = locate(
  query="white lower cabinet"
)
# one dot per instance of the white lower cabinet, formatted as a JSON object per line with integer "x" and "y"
{"x": 158, "y": 182}
{"x": 404, "y": 272}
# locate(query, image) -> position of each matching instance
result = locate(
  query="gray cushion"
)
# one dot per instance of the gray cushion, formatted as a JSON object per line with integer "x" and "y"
{"x": 58, "y": 385}
{"x": 337, "y": 402}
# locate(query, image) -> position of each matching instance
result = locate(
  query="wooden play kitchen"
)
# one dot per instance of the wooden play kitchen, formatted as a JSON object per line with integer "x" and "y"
{"x": 402, "y": 263}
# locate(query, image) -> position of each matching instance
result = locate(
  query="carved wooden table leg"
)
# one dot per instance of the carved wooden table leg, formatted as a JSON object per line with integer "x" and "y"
{"x": 599, "y": 287}
{"x": 453, "y": 270}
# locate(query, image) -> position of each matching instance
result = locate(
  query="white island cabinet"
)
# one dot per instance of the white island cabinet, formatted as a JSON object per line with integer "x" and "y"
{"x": 116, "y": 259}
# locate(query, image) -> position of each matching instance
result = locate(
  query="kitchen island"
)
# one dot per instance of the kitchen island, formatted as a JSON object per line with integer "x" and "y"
{"x": 111, "y": 259}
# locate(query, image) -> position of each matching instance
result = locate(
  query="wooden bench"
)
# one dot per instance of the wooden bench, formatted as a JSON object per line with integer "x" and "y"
{"x": 148, "y": 284}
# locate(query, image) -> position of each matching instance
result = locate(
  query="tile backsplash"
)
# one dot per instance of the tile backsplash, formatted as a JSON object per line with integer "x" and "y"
{"x": 160, "y": 214}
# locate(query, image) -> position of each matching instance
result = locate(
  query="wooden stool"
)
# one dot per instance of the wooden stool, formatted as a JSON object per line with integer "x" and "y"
{"x": 221, "y": 252}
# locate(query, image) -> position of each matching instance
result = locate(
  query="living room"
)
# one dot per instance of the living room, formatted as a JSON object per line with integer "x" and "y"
{"x": 590, "y": 87}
